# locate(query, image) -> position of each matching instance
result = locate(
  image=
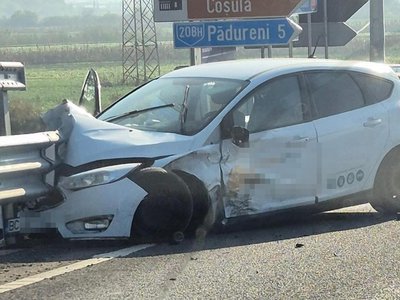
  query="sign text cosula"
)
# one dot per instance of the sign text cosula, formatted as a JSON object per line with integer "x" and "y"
{"x": 228, "y": 6}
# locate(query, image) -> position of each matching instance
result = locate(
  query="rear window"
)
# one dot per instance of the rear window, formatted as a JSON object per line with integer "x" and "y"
{"x": 333, "y": 92}
{"x": 374, "y": 89}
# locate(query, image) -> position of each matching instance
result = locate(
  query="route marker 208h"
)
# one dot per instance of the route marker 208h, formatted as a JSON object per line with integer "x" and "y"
{"x": 235, "y": 33}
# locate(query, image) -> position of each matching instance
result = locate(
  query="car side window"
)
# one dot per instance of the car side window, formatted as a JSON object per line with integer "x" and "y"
{"x": 375, "y": 89}
{"x": 275, "y": 104}
{"x": 334, "y": 93}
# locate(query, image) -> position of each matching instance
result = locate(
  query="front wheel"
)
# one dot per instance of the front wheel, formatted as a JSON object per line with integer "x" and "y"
{"x": 387, "y": 187}
{"x": 167, "y": 208}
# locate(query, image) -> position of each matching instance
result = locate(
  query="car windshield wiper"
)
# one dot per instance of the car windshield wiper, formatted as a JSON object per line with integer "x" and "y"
{"x": 137, "y": 112}
{"x": 184, "y": 108}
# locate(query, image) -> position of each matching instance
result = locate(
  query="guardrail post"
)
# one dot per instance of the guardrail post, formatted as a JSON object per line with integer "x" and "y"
{"x": 6, "y": 211}
{"x": 12, "y": 77}
{"x": 5, "y": 127}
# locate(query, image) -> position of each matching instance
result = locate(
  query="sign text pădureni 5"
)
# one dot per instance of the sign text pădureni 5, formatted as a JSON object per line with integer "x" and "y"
{"x": 235, "y": 33}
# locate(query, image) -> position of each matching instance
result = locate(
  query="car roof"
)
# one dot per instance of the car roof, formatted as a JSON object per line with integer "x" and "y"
{"x": 246, "y": 69}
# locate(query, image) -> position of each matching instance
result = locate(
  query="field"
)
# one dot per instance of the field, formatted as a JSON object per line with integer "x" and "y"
{"x": 48, "y": 85}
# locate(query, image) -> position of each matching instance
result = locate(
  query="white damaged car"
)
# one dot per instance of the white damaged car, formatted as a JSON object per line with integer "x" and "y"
{"x": 206, "y": 145}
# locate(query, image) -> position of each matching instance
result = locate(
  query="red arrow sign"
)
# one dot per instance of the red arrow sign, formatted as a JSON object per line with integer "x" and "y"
{"x": 226, "y": 9}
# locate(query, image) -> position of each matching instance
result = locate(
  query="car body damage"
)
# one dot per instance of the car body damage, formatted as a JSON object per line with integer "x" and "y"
{"x": 260, "y": 178}
{"x": 99, "y": 140}
{"x": 91, "y": 145}
{"x": 205, "y": 145}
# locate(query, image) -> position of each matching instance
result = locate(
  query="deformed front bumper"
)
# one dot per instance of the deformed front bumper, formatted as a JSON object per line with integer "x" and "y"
{"x": 116, "y": 201}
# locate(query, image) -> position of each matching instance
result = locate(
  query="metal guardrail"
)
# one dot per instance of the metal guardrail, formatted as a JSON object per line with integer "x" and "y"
{"x": 26, "y": 164}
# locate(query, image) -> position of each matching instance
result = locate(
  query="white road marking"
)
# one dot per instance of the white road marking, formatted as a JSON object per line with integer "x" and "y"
{"x": 97, "y": 259}
{"x": 124, "y": 252}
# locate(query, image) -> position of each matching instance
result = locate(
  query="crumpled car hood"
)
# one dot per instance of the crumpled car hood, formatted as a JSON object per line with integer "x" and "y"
{"x": 87, "y": 139}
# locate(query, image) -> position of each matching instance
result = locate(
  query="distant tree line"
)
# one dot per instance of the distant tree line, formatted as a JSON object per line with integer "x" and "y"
{"x": 27, "y": 18}
{"x": 26, "y": 28}
{"x": 51, "y": 8}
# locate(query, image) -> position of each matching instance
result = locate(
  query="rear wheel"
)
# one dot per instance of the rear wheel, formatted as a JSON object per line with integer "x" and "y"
{"x": 167, "y": 208}
{"x": 387, "y": 187}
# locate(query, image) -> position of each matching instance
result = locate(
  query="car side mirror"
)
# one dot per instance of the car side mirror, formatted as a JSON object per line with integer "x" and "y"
{"x": 240, "y": 137}
{"x": 90, "y": 95}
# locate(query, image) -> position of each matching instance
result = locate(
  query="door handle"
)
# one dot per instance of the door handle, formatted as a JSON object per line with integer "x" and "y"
{"x": 372, "y": 122}
{"x": 301, "y": 139}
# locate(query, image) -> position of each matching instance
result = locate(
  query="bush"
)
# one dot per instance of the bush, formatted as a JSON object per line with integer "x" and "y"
{"x": 25, "y": 117}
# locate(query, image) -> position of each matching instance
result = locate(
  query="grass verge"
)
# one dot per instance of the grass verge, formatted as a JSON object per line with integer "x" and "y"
{"x": 48, "y": 85}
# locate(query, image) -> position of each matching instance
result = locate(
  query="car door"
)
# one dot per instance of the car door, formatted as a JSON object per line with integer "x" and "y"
{"x": 276, "y": 168}
{"x": 351, "y": 132}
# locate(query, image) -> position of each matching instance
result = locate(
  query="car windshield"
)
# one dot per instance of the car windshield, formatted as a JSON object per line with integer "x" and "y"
{"x": 177, "y": 105}
{"x": 396, "y": 69}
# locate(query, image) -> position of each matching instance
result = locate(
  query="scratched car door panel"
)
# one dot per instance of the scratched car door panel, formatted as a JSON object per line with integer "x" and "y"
{"x": 278, "y": 168}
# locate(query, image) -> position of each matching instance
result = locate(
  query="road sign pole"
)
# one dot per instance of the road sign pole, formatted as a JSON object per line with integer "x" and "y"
{"x": 377, "y": 31}
{"x": 326, "y": 28}
{"x": 309, "y": 37}
{"x": 192, "y": 57}
{"x": 269, "y": 51}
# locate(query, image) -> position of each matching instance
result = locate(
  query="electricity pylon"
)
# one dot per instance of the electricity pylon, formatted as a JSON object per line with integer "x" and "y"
{"x": 140, "y": 57}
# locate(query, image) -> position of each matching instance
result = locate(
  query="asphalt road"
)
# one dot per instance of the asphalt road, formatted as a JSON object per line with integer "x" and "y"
{"x": 348, "y": 254}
